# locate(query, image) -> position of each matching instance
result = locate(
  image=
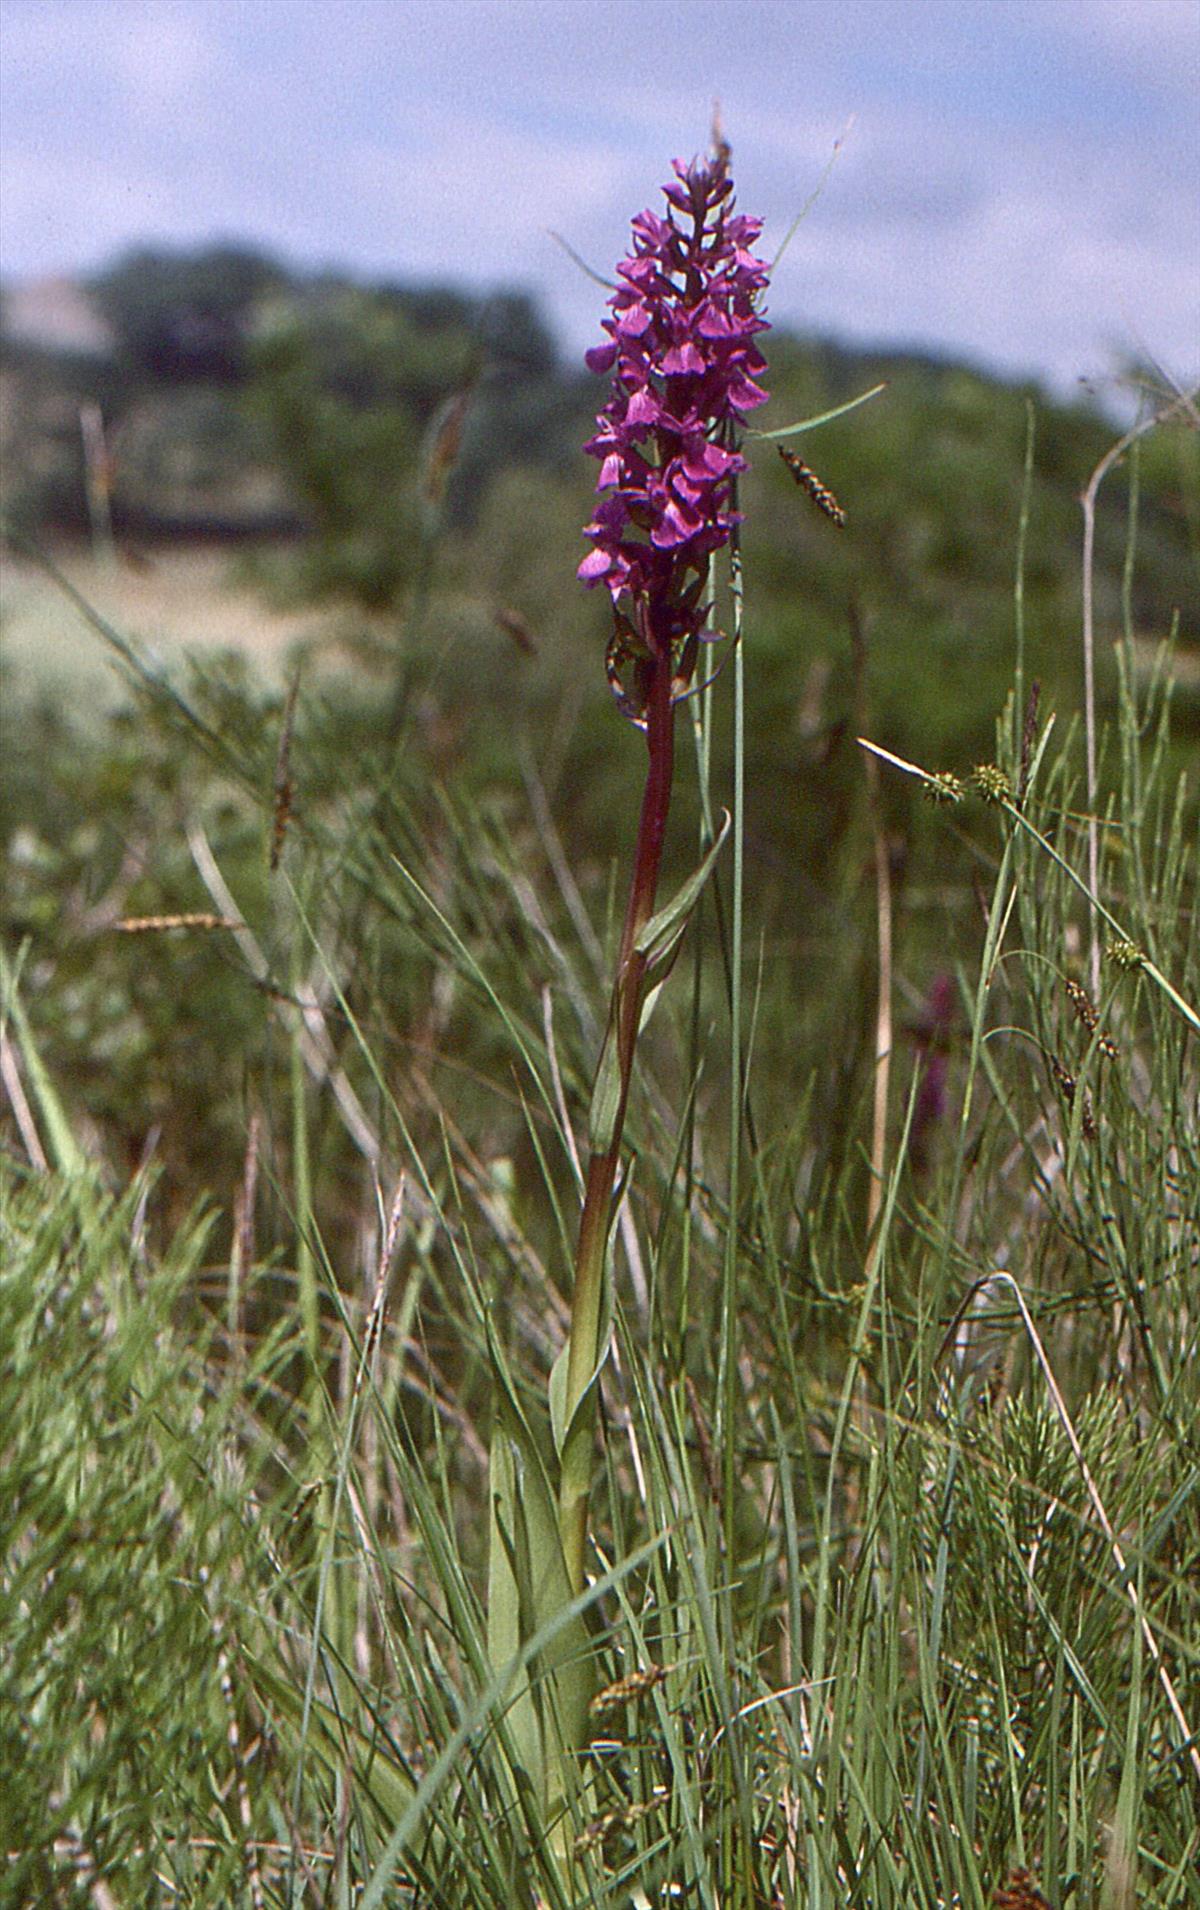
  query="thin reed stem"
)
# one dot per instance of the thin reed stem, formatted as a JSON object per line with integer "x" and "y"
{"x": 1088, "y": 502}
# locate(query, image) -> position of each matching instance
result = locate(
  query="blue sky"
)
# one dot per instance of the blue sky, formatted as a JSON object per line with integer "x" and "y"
{"x": 1016, "y": 183}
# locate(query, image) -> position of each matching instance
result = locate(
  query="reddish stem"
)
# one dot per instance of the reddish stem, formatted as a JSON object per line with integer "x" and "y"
{"x": 625, "y": 1015}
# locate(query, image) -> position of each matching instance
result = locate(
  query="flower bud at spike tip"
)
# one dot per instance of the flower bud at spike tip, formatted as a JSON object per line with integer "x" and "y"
{"x": 681, "y": 346}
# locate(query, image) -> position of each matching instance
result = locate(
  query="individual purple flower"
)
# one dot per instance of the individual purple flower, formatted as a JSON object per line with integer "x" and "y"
{"x": 681, "y": 346}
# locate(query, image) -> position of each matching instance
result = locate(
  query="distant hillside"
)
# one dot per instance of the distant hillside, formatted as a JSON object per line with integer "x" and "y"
{"x": 197, "y": 363}
{"x": 228, "y": 396}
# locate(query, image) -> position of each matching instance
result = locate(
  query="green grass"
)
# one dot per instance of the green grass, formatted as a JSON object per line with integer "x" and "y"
{"x": 897, "y": 1504}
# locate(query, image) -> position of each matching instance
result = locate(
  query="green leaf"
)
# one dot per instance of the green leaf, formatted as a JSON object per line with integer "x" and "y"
{"x": 528, "y": 1592}
{"x": 658, "y": 943}
{"x": 336, "y": 1742}
{"x": 558, "y": 1396}
{"x": 606, "y": 1094}
{"x": 659, "y": 937}
{"x": 508, "y": 1594}
{"x": 823, "y": 417}
{"x": 565, "y": 1622}
{"x": 559, "y": 1425}
{"x": 650, "y": 999}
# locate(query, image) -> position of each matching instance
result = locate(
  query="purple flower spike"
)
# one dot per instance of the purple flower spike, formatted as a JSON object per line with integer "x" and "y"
{"x": 682, "y": 349}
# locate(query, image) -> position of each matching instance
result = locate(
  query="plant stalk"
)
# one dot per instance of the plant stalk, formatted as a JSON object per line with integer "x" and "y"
{"x": 595, "y": 1222}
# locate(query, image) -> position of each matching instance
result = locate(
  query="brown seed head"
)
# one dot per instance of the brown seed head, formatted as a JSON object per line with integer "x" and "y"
{"x": 627, "y": 1690}
{"x": 811, "y": 484}
{"x": 1086, "y": 1013}
{"x": 1019, "y": 1893}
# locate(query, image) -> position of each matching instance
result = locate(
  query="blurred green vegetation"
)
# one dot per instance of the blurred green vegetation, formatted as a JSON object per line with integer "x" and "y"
{"x": 422, "y": 449}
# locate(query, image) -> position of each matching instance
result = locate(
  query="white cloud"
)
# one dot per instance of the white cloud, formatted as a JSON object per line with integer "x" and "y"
{"x": 1017, "y": 184}
{"x": 1158, "y": 40}
{"x": 160, "y": 55}
{"x": 153, "y": 52}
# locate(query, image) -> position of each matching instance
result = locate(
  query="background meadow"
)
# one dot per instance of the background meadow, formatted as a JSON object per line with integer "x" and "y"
{"x": 317, "y": 816}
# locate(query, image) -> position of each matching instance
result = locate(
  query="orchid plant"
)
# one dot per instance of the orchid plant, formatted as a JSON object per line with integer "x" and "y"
{"x": 682, "y": 347}
{"x": 682, "y": 329}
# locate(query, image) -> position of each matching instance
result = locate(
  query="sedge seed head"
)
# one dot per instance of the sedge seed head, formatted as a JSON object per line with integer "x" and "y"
{"x": 1126, "y": 955}
{"x": 992, "y": 783}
